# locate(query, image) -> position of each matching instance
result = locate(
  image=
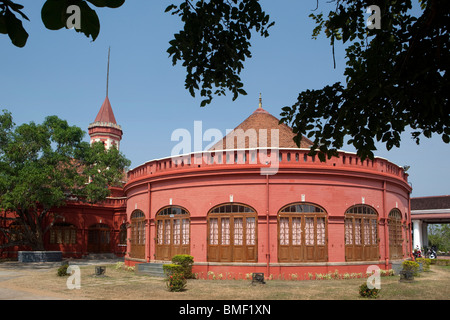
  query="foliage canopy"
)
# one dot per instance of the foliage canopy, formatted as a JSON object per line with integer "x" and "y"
{"x": 396, "y": 76}
{"x": 42, "y": 166}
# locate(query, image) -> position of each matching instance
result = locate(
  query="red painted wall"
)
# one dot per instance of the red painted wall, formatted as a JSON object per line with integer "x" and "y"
{"x": 335, "y": 186}
{"x": 111, "y": 213}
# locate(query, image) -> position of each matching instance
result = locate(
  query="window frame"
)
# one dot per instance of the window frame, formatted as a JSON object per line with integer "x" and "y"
{"x": 294, "y": 222}
{"x": 61, "y": 231}
{"x": 173, "y": 232}
{"x": 137, "y": 239}
{"x": 395, "y": 229}
{"x": 232, "y": 233}
{"x": 363, "y": 220}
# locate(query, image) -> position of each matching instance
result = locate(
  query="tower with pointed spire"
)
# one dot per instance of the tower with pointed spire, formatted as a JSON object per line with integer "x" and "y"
{"x": 105, "y": 128}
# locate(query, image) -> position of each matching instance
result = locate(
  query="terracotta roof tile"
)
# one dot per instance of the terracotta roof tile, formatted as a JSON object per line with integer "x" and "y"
{"x": 259, "y": 120}
{"x": 106, "y": 113}
{"x": 427, "y": 203}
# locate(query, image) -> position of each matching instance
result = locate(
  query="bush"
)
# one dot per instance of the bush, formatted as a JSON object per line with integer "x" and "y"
{"x": 186, "y": 261}
{"x": 119, "y": 265}
{"x": 171, "y": 269}
{"x": 178, "y": 272}
{"x": 442, "y": 262}
{"x": 411, "y": 266}
{"x": 365, "y": 292}
{"x": 62, "y": 271}
{"x": 176, "y": 282}
{"x": 425, "y": 263}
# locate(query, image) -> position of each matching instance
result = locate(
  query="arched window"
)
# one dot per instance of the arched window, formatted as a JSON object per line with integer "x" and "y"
{"x": 172, "y": 232}
{"x": 137, "y": 237}
{"x": 395, "y": 234}
{"x": 63, "y": 233}
{"x": 302, "y": 233}
{"x": 361, "y": 233}
{"x": 232, "y": 234}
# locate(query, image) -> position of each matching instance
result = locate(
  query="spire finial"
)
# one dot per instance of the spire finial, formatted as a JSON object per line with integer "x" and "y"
{"x": 107, "y": 74}
{"x": 260, "y": 101}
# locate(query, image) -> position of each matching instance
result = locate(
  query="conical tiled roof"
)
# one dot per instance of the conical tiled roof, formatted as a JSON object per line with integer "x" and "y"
{"x": 263, "y": 123}
{"x": 106, "y": 113}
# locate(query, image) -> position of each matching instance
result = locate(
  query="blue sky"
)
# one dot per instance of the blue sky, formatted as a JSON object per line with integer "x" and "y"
{"x": 63, "y": 73}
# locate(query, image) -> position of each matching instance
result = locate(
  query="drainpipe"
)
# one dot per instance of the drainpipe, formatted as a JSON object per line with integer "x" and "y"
{"x": 386, "y": 236}
{"x": 268, "y": 228}
{"x": 148, "y": 235}
{"x": 409, "y": 229}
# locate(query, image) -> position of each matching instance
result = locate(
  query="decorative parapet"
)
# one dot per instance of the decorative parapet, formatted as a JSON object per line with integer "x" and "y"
{"x": 265, "y": 158}
{"x": 104, "y": 124}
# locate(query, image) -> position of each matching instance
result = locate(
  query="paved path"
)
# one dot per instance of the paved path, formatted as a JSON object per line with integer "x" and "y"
{"x": 14, "y": 269}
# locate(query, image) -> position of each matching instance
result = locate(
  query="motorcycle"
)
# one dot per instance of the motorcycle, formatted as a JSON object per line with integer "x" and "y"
{"x": 431, "y": 253}
{"x": 417, "y": 253}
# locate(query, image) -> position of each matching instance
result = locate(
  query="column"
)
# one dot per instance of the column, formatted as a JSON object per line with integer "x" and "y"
{"x": 425, "y": 234}
{"x": 417, "y": 234}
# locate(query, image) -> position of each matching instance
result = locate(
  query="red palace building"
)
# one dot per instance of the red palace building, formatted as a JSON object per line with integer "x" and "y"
{"x": 255, "y": 202}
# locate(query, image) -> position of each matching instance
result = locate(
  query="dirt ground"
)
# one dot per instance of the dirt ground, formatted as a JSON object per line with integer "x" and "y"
{"x": 40, "y": 282}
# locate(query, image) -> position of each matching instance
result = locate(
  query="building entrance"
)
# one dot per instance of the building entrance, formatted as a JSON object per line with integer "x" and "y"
{"x": 99, "y": 238}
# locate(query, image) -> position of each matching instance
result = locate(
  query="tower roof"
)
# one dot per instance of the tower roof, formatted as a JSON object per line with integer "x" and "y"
{"x": 106, "y": 113}
{"x": 261, "y": 121}
{"x": 105, "y": 122}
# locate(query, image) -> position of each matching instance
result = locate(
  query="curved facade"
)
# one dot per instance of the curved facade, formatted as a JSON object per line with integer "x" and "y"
{"x": 253, "y": 203}
{"x": 272, "y": 210}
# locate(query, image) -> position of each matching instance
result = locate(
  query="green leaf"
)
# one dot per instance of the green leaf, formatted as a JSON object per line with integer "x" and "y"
{"x": 90, "y": 23}
{"x": 53, "y": 14}
{"x": 107, "y": 3}
{"x": 242, "y": 92}
{"x": 169, "y": 8}
{"x": 17, "y": 8}
{"x": 16, "y": 32}
{"x": 214, "y": 43}
{"x": 38, "y": 165}
{"x": 3, "y": 28}
{"x": 321, "y": 156}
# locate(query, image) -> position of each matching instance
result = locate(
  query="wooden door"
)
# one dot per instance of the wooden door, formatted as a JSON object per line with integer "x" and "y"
{"x": 353, "y": 240}
{"x": 284, "y": 248}
{"x": 232, "y": 234}
{"x": 320, "y": 230}
{"x": 302, "y": 234}
{"x": 310, "y": 243}
{"x": 225, "y": 248}
{"x": 361, "y": 234}
{"x": 371, "y": 251}
{"x": 250, "y": 236}
{"x": 213, "y": 240}
{"x": 99, "y": 239}
{"x": 244, "y": 239}
{"x": 395, "y": 234}
{"x": 173, "y": 233}
{"x": 137, "y": 239}
{"x": 290, "y": 239}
